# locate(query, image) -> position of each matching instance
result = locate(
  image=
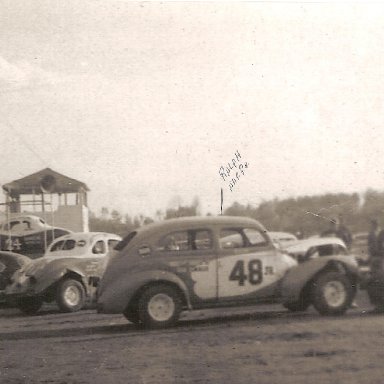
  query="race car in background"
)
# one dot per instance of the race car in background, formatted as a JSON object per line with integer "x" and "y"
{"x": 282, "y": 239}
{"x": 65, "y": 274}
{"x": 28, "y": 235}
{"x": 313, "y": 247}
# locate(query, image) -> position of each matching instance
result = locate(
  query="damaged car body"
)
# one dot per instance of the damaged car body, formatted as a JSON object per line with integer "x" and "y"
{"x": 65, "y": 273}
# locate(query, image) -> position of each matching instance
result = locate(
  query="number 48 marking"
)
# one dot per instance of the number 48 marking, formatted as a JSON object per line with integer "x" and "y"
{"x": 255, "y": 272}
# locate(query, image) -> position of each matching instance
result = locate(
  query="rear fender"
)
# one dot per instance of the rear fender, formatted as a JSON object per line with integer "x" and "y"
{"x": 297, "y": 278}
{"x": 44, "y": 282}
{"x": 125, "y": 291}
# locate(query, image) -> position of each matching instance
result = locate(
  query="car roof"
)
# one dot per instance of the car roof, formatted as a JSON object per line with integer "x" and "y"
{"x": 86, "y": 235}
{"x": 277, "y": 235}
{"x": 17, "y": 256}
{"x": 195, "y": 221}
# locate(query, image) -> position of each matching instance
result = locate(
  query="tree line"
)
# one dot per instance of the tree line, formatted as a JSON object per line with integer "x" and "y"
{"x": 308, "y": 215}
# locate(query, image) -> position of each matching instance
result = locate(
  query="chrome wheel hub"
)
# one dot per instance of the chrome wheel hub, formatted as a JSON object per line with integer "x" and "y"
{"x": 72, "y": 296}
{"x": 161, "y": 307}
{"x": 334, "y": 293}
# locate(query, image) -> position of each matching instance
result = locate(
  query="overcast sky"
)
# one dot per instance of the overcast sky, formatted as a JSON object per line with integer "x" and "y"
{"x": 145, "y": 101}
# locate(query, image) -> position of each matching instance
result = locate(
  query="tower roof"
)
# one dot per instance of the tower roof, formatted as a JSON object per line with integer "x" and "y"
{"x": 33, "y": 183}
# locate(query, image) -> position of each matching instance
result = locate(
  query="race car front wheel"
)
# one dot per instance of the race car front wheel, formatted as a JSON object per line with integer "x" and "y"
{"x": 70, "y": 295}
{"x": 332, "y": 293}
{"x": 159, "y": 306}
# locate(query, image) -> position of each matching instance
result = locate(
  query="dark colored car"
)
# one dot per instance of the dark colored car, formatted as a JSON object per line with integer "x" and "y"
{"x": 29, "y": 235}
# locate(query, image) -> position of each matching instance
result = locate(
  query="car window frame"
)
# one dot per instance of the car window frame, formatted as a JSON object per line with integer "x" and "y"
{"x": 246, "y": 241}
{"x": 190, "y": 250}
{"x": 105, "y": 247}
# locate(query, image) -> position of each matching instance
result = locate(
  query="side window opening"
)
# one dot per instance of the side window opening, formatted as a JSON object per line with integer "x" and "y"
{"x": 231, "y": 238}
{"x": 27, "y": 225}
{"x": 14, "y": 226}
{"x": 255, "y": 237}
{"x": 186, "y": 241}
{"x": 63, "y": 245}
{"x": 176, "y": 241}
{"x": 57, "y": 246}
{"x": 69, "y": 244}
{"x": 99, "y": 248}
{"x": 242, "y": 238}
{"x": 202, "y": 240}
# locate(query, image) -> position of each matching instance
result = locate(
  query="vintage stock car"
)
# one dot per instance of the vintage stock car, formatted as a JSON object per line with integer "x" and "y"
{"x": 28, "y": 235}
{"x": 164, "y": 268}
{"x": 64, "y": 274}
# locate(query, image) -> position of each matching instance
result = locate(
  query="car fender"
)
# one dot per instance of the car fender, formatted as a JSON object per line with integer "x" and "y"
{"x": 46, "y": 280}
{"x": 122, "y": 291}
{"x": 296, "y": 278}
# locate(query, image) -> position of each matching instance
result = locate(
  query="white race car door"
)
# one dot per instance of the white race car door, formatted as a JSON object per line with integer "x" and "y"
{"x": 249, "y": 267}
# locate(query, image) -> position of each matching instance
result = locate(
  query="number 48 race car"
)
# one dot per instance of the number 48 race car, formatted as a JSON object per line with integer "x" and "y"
{"x": 164, "y": 268}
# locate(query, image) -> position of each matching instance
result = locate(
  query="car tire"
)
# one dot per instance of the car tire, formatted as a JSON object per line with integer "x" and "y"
{"x": 297, "y": 306}
{"x": 70, "y": 295}
{"x": 132, "y": 315}
{"x": 159, "y": 306}
{"x": 30, "y": 305}
{"x": 332, "y": 293}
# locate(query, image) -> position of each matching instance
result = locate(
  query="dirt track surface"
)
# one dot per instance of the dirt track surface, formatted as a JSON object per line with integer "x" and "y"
{"x": 248, "y": 345}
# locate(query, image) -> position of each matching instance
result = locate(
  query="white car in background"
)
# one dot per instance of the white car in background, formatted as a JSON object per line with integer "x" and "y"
{"x": 65, "y": 274}
{"x": 306, "y": 249}
{"x": 283, "y": 239}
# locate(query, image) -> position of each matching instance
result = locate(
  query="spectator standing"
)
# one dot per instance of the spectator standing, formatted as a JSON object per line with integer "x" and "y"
{"x": 379, "y": 253}
{"x": 343, "y": 232}
{"x": 338, "y": 229}
{"x": 372, "y": 240}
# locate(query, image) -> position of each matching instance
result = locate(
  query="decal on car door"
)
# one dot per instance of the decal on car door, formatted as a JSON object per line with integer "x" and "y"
{"x": 205, "y": 277}
{"x": 243, "y": 274}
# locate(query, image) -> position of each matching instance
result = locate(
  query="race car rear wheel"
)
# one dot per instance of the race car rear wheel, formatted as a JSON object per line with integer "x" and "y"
{"x": 70, "y": 295}
{"x": 332, "y": 293}
{"x": 297, "y": 306}
{"x": 159, "y": 306}
{"x": 132, "y": 314}
{"x": 30, "y": 305}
